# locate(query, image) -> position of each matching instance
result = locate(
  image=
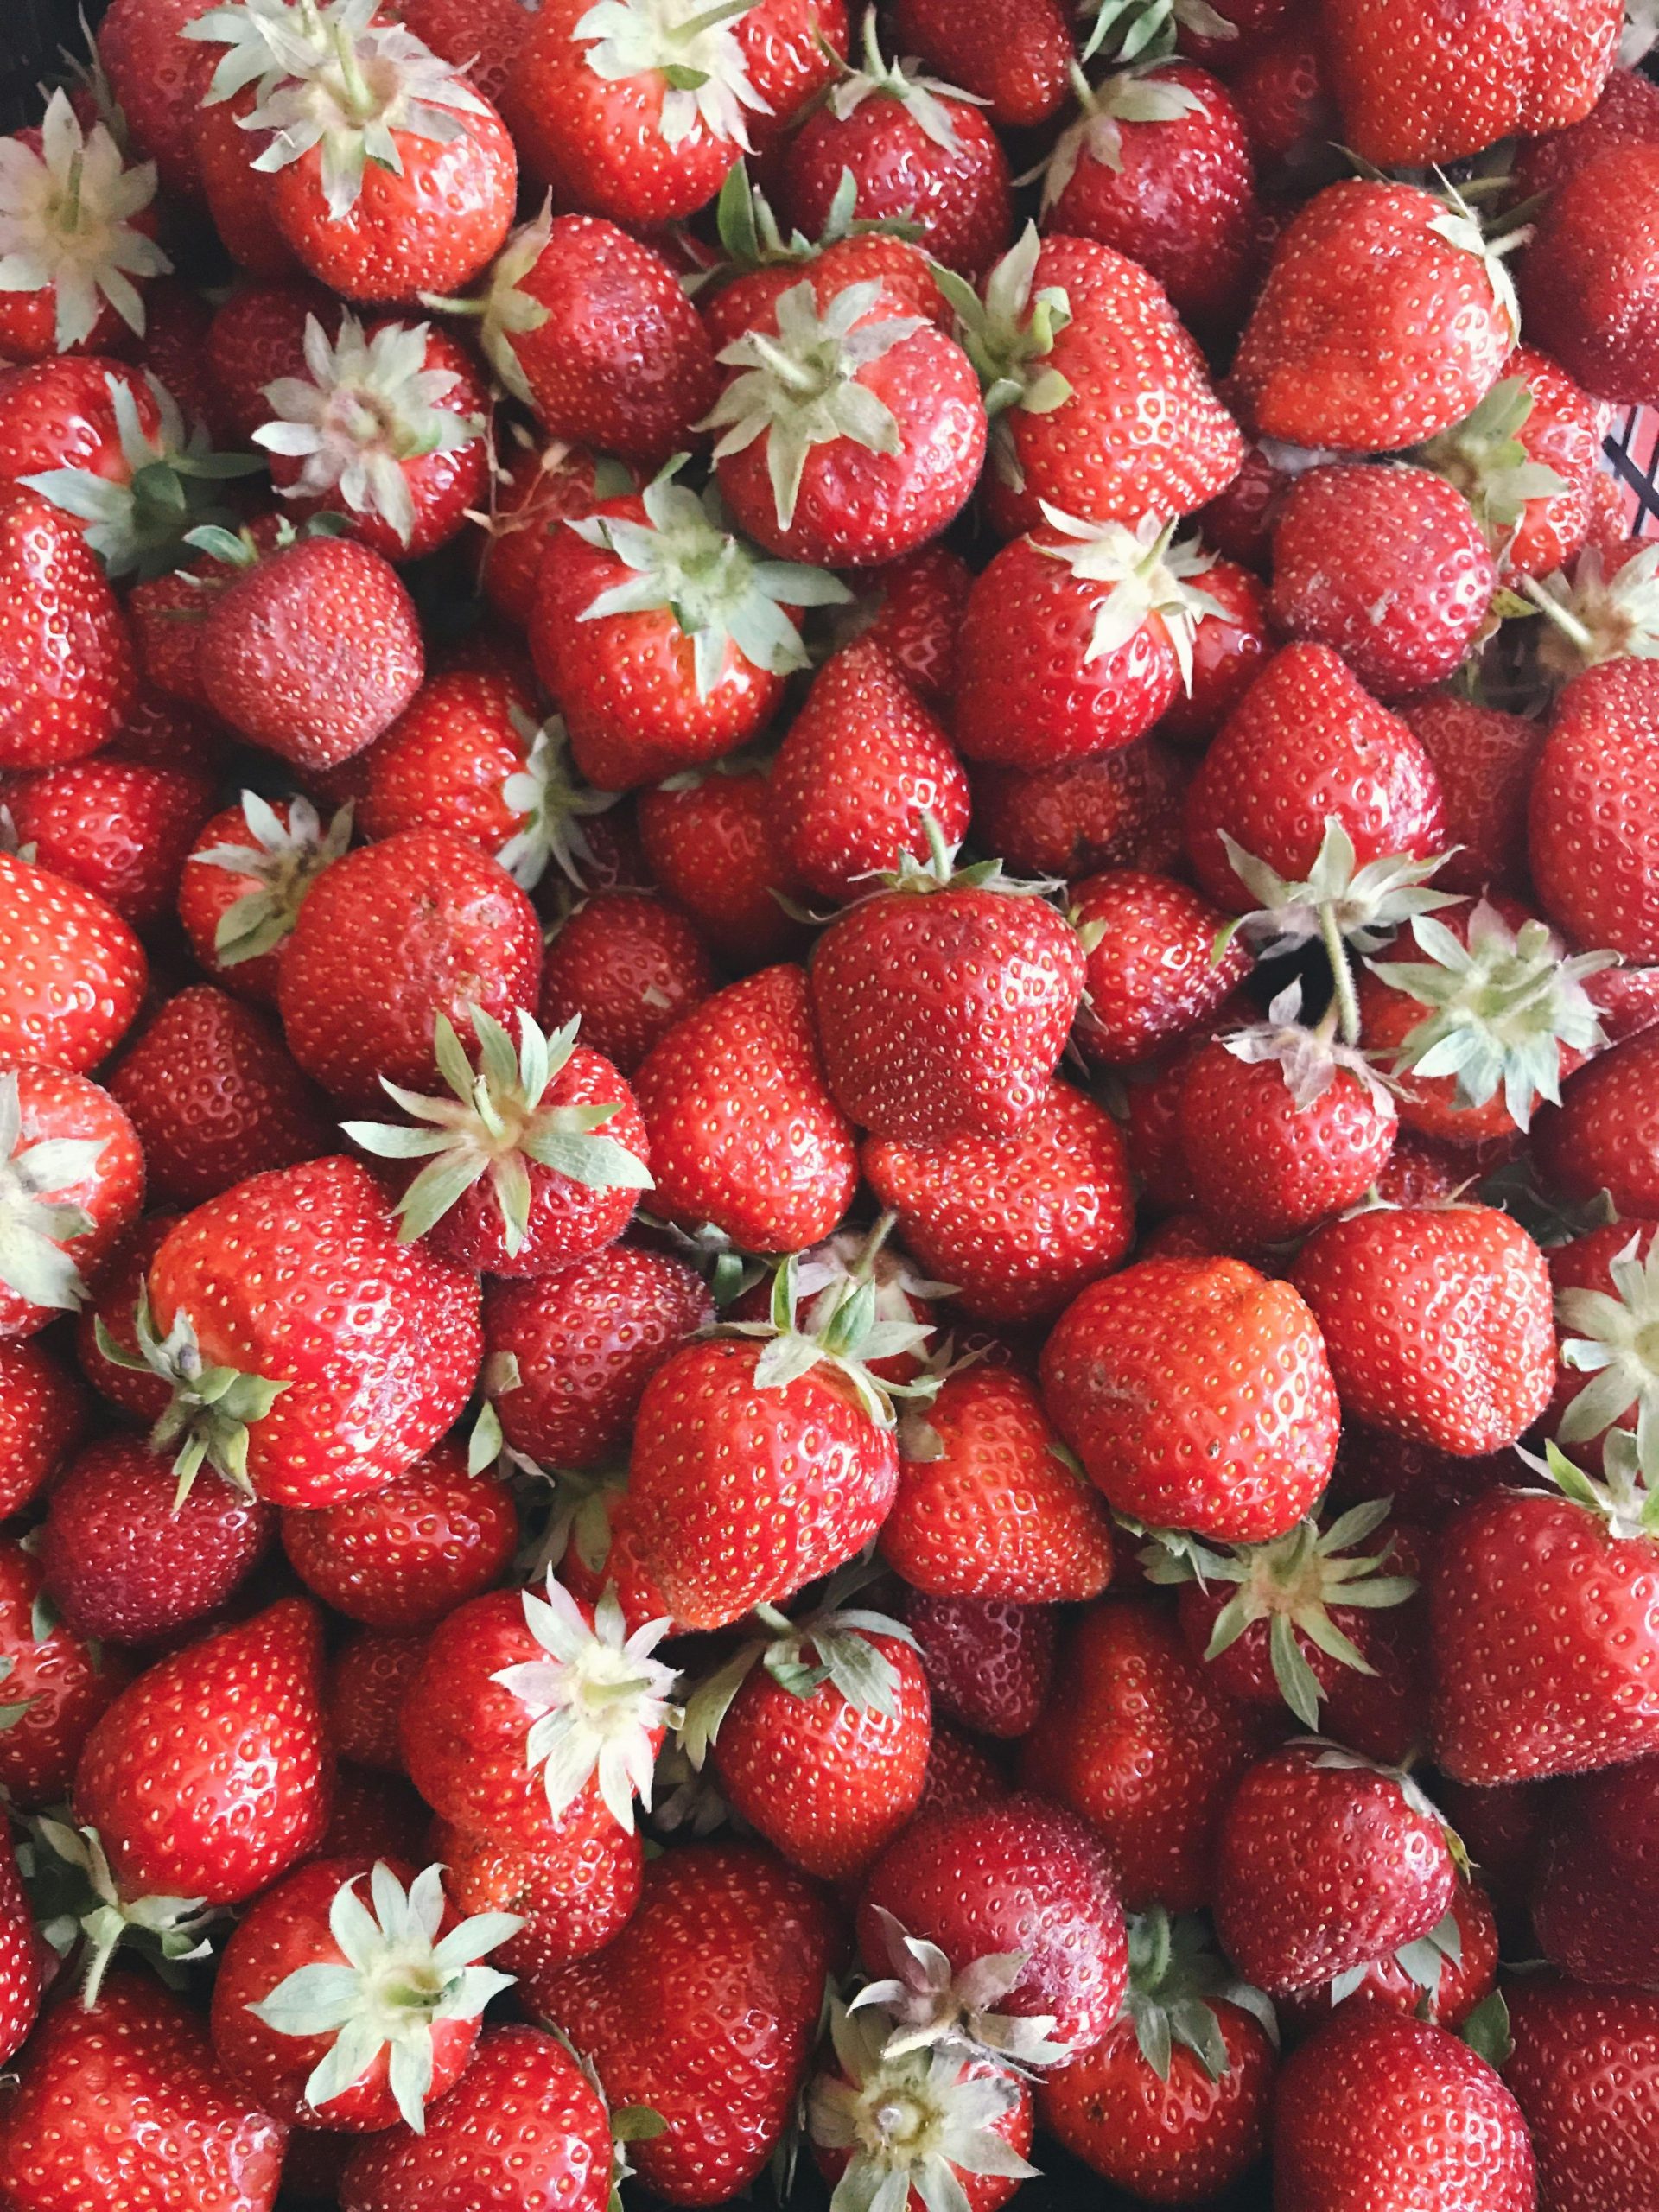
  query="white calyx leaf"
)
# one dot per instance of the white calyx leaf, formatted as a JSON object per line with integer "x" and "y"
{"x": 509, "y": 310}
{"x": 1594, "y": 617}
{"x": 283, "y": 861}
{"x": 926, "y": 2002}
{"x": 366, "y": 406}
{"x": 923, "y": 96}
{"x": 265, "y": 40}
{"x": 397, "y": 1977}
{"x": 1145, "y": 574}
{"x": 1613, "y": 1336}
{"x": 1622, "y": 1499}
{"x": 37, "y": 1220}
{"x": 1485, "y": 457}
{"x": 801, "y": 389}
{"x": 597, "y": 1702}
{"x": 1309, "y": 1060}
{"x": 552, "y": 800}
{"x": 66, "y": 221}
{"x": 1128, "y": 96}
{"x": 1366, "y": 905}
{"x": 1460, "y": 227}
{"x": 692, "y": 46}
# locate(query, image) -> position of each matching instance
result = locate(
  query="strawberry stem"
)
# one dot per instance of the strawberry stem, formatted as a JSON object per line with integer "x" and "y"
{"x": 1342, "y": 975}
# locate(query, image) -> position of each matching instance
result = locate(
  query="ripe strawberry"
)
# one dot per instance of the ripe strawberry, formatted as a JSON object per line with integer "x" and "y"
{"x": 209, "y": 1775}
{"x": 1594, "y": 842}
{"x": 1018, "y": 1224}
{"x": 535, "y": 486}
{"x": 573, "y": 1889}
{"x": 1114, "y": 809}
{"x": 666, "y": 640}
{"x": 988, "y": 1663}
{"x": 53, "y": 1686}
{"x": 745, "y": 1134}
{"x": 1198, "y": 1396}
{"x": 1584, "y": 2067}
{"x": 241, "y": 888}
{"x": 1486, "y": 760}
{"x": 483, "y": 42}
{"x": 988, "y": 1505}
{"x": 1173, "y": 2104}
{"x": 68, "y": 674}
{"x": 912, "y": 608}
{"x": 960, "y": 1772}
{"x": 125, "y": 2101}
{"x": 389, "y": 941}
{"x": 23, "y": 1977}
{"x": 852, "y": 433}
{"x": 371, "y": 1679}
{"x": 1626, "y": 113}
{"x": 1108, "y": 414}
{"x": 708, "y": 840}
{"x": 1604, "y": 1135}
{"x": 1370, "y": 2081}
{"x": 1021, "y": 1882}
{"x": 127, "y": 1561}
{"x": 703, "y": 2009}
{"x": 226, "y": 143}
{"x": 151, "y": 71}
{"x": 1384, "y": 318}
{"x": 79, "y": 230}
{"x": 1443, "y": 1977}
{"x": 567, "y": 1355}
{"x": 258, "y": 334}
{"x": 628, "y": 967}
{"x": 1013, "y": 56}
{"x": 43, "y": 1416}
{"x": 1437, "y": 1321}
{"x": 311, "y": 650}
{"x": 338, "y": 2008}
{"x": 1541, "y": 1606}
{"x": 1150, "y": 973}
{"x": 1283, "y": 95}
{"x": 71, "y": 1178}
{"x": 119, "y": 828}
{"x": 1385, "y": 565}
{"x": 405, "y": 1556}
{"x": 1229, "y": 644}
{"x": 1588, "y": 270}
{"x": 162, "y": 733}
{"x": 1595, "y": 1896}
{"x": 525, "y": 2122}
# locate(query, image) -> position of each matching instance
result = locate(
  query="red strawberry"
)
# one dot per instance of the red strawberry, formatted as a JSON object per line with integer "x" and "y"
{"x": 1283, "y": 95}
{"x": 761, "y": 264}
{"x": 1114, "y": 809}
{"x": 1013, "y": 56}
{"x": 628, "y": 967}
{"x": 120, "y": 828}
{"x": 535, "y": 487}
{"x": 350, "y": 1996}
{"x": 1603, "y": 1137}
{"x": 1150, "y": 973}
{"x": 404, "y": 1556}
{"x": 43, "y": 1412}
{"x": 241, "y": 885}
{"x": 1486, "y": 762}
{"x": 1587, "y": 274}
{"x": 151, "y": 71}
{"x": 257, "y": 335}
{"x": 209, "y": 1775}
{"x": 1584, "y": 2067}
{"x": 23, "y": 1977}
{"x": 988, "y": 1663}
{"x": 52, "y": 1687}
{"x": 573, "y": 1888}
{"x": 74, "y": 973}
{"x": 68, "y": 673}
{"x": 1626, "y": 113}
{"x": 1198, "y": 1396}
{"x": 708, "y": 840}
{"x": 1231, "y": 641}
{"x": 1443, "y": 1977}
{"x": 371, "y": 1679}
{"x": 127, "y": 1561}
{"x": 1437, "y": 1320}
{"x": 483, "y": 42}
{"x": 1595, "y": 1898}
{"x": 71, "y": 1178}
{"x": 745, "y": 1134}
{"x": 912, "y": 608}
{"x": 1385, "y": 318}
{"x": 1594, "y": 842}
{"x": 80, "y": 230}
{"x": 960, "y": 1772}
{"x": 125, "y": 2101}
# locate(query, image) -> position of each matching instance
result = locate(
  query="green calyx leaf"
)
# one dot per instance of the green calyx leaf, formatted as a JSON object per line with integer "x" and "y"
{"x": 845, "y": 1333}
{"x": 1176, "y": 1980}
{"x": 212, "y": 1409}
{"x": 284, "y": 860}
{"x": 1007, "y": 331}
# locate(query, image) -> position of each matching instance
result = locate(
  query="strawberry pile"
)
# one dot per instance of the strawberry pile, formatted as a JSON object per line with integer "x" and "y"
{"x": 829, "y": 1109}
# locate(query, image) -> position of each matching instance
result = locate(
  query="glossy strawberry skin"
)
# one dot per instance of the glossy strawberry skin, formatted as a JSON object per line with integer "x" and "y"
{"x": 1585, "y": 2071}
{"x": 1114, "y": 809}
{"x": 74, "y": 972}
{"x": 43, "y": 1415}
{"x": 53, "y": 1106}
{"x": 1586, "y": 279}
{"x": 1013, "y": 56}
{"x": 442, "y": 763}
{"x": 1604, "y": 1134}
{"x": 371, "y": 1676}
{"x": 1463, "y": 1983}
{"x": 913, "y": 609}
{"x": 404, "y": 1556}
{"x": 710, "y": 845}
{"x": 1486, "y": 762}
{"x": 1595, "y": 1896}
{"x": 540, "y": 486}
{"x": 1594, "y": 814}
{"x": 989, "y": 1662}
{"x": 630, "y": 966}
{"x": 575, "y": 1887}
{"x": 120, "y": 828}
{"x": 60, "y": 1682}
{"x": 1150, "y": 978}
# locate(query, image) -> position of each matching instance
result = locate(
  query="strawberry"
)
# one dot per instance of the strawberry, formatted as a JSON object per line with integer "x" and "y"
{"x": 310, "y": 651}
{"x": 1282, "y": 1126}
{"x": 390, "y": 941}
{"x": 482, "y": 41}
{"x": 988, "y": 1663}
{"x": 387, "y": 425}
{"x": 257, "y": 335}
{"x": 1022, "y": 1886}
{"x": 1103, "y": 407}
{"x": 1370, "y": 2081}
{"x": 1595, "y": 1897}
{"x": 1150, "y": 975}
{"x": 119, "y": 828}
{"x": 1486, "y": 760}
{"x": 215, "y": 1099}
{"x": 209, "y": 1775}
{"x": 568, "y": 1355}
{"x": 1602, "y": 1299}
{"x": 627, "y": 966}
{"x": 851, "y": 432}
{"x": 1594, "y": 838}
{"x": 1626, "y": 113}
{"x": 534, "y": 487}
{"x": 960, "y": 1772}
{"x": 1021, "y": 1222}
{"x": 126, "y": 2100}
{"x": 708, "y": 840}
{"x": 1229, "y": 644}
{"x": 23, "y": 1977}
{"x": 241, "y": 886}
{"x": 371, "y": 1679}
{"x": 912, "y": 608}
{"x": 1368, "y": 1867}
{"x": 162, "y": 733}
{"x": 1282, "y": 93}
{"x": 1385, "y": 318}
{"x": 1197, "y": 1395}
{"x": 1541, "y": 1607}
{"x": 1174, "y": 2103}
{"x": 703, "y": 2009}
{"x": 918, "y": 151}
{"x": 1603, "y": 1136}
{"x": 744, "y": 1132}
{"x": 225, "y": 143}
{"x": 405, "y": 1556}
{"x": 989, "y": 1505}
{"x": 1436, "y": 1322}
{"x": 1139, "y": 1741}
{"x": 1444, "y": 1977}
{"x": 350, "y": 1995}
{"x": 1113, "y": 810}
{"x": 53, "y": 1684}
{"x": 71, "y": 1178}
{"x": 150, "y": 71}
{"x": 860, "y": 767}
{"x": 1014, "y": 57}
{"x": 1470, "y": 79}
{"x": 664, "y": 639}
{"x": 1584, "y": 2067}
{"x": 68, "y": 674}
{"x": 837, "y": 1707}
{"x": 781, "y": 1434}
{"x": 43, "y": 1414}
{"x": 1157, "y": 167}
{"x": 78, "y": 229}
{"x": 573, "y": 1889}
{"x": 523, "y": 2123}
{"x": 126, "y": 1561}
{"x": 1385, "y": 565}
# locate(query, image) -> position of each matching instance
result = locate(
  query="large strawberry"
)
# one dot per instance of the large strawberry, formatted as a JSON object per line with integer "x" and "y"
{"x": 1594, "y": 836}
{"x": 73, "y": 974}
{"x": 67, "y": 671}
{"x": 1588, "y": 273}
{"x": 1584, "y": 2067}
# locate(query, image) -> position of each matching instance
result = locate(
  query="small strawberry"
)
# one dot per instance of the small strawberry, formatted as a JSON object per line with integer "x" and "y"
{"x": 68, "y": 673}
{"x": 629, "y": 967}
{"x": 708, "y": 840}
{"x": 71, "y": 1178}
{"x": 53, "y": 1685}
{"x": 257, "y": 335}
{"x": 23, "y": 1977}
{"x": 151, "y": 71}
{"x": 1588, "y": 269}
{"x": 1486, "y": 760}
{"x": 534, "y": 486}
{"x": 1584, "y": 2067}
{"x": 1604, "y": 1137}
{"x": 960, "y": 1772}
{"x": 121, "y": 829}
{"x": 1111, "y": 811}
{"x": 1014, "y": 56}
{"x": 371, "y": 1679}
{"x": 573, "y": 1889}
{"x": 1150, "y": 975}
{"x": 1444, "y": 1977}
{"x": 240, "y": 889}
{"x": 43, "y": 1415}
{"x": 988, "y": 1663}
{"x": 912, "y": 608}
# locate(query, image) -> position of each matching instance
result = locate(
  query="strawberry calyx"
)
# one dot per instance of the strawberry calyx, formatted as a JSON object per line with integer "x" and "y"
{"x": 1483, "y": 457}
{"x": 937, "y": 871}
{"x": 551, "y": 802}
{"x": 1622, "y": 1498}
{"x": 66, "y": 224}
{"x": 574, "y": 1507}
{"x": 751, "y": 238}
{"x": 284, "y": 861}
{"x": 800, "y": 388}
{"x": 35, "y": 1223}
{"x": 597, "y": 1700}
{"x": 1335, "y": 1758}
{"x": 1126, "y": 96}
{"x": 1614, "y": 1337}
{"x": 926, "y": 2005}
{"x": 367, "y": 405}
{"x": 723, "y": 594}
{"x": 853, "y": 1256}
{"x": 265, "y": 42}
{"x": 1176, "y": 1979}
{"x": 1290, "y": 1582}
{"x": 67, "y": 1871}
{"x": 922, "y": 97}
{"x": 1461, "y": 227}
{"x": 1423, "y": 1961}
{"x": 1592, "y": 617}
{"x": 494, "y": 1124}
{"x": 1146, "y": 30}
{"x": 911, "y": 2123}
{"x": 691, "y": 47}
{"x": 398, "y": 1978}
{"x": 1144, "y": 574}
{"x": 1008, "y": 334}
{"x": 1504, "y": 1007}
{"x": 212, "y": 1408}
{"x": 843, "y": 1333}
{"x": 1309, "y": 1060}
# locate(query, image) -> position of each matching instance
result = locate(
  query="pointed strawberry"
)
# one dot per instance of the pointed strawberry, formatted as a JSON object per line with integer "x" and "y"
{"x": 68, "y": 673}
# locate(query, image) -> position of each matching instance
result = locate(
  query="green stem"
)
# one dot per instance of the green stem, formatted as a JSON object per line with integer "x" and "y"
{"x": 1342, "y": 975}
